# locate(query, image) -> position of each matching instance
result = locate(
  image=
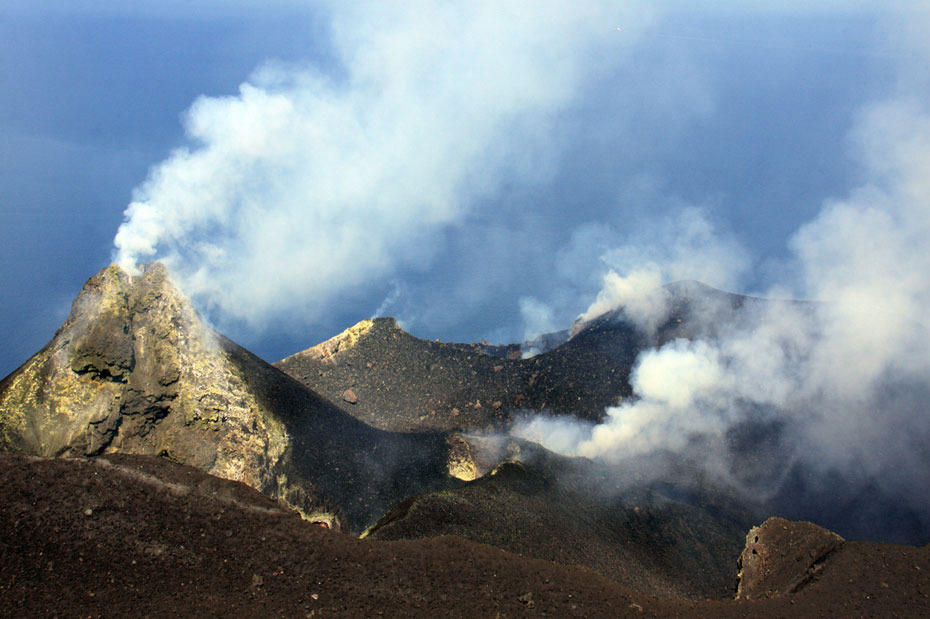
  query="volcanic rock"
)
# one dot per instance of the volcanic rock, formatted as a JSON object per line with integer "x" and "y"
{"x": 132, "y": 356}
{"x": 411, "y": 385}
{"x": 575, "y": 512}
{"x": 406, "y": 384}
{"x": 134, "y": 370}
{"x": 164, "y": 539}
{"x": 782, "y": 557}
{"x": 692, "y": 310}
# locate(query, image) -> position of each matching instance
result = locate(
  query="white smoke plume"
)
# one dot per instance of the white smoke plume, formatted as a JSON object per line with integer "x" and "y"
{"x": 537, "y": 318}
{"x": 304, "y": 185}
{"x": 685, "y": 246}
{"x": 848, "y": 372}
{"x": 390, "y": 300}
{"x": 863, "y": 260}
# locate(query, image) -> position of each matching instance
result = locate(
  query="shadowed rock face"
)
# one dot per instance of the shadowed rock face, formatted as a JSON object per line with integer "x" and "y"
{"x": 575, "y": 512}
{"x": 133, "y": 369}
{"x": 782, "y": 557}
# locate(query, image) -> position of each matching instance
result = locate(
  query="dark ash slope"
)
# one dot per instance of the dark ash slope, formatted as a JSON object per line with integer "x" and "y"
{"x": 390, "y": 379}
{"x": 575, "y": 513}
{"x": 141, "y": 536}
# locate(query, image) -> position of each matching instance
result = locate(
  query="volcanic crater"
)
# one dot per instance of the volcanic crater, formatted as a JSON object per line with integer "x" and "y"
{"x": 153, "y": 466}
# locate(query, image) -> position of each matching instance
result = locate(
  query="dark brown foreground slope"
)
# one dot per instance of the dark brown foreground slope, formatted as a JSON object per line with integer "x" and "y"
{"x": 134, "y": 535}
{"x": 575, "y": 513}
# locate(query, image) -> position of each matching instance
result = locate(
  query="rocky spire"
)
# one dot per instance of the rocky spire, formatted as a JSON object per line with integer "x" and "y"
{"x": 134, "y": 369}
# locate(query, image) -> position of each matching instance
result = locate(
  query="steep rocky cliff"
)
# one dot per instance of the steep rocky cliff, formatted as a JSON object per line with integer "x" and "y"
{"x": 134, "y": 370}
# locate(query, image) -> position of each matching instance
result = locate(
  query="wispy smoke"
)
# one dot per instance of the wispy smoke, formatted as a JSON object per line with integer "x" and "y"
{"x": 848, "y": 373}
{"x": 684, "y": 247}
{"x": 389, "y": 301}
{"x": 537, "y": 318}
{"x": 306, "y": 185}
{"x": 631, "y": 266}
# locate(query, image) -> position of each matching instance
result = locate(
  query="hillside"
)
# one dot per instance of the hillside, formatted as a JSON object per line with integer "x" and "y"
{"x": 572, "y": 512}
{"x": 134, "y": 370}
{"x": 148, "y": 537}
{"x": 388, "y": 378}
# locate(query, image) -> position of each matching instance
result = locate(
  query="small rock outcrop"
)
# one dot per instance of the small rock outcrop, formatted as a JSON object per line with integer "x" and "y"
{"x": 781, "y": 557}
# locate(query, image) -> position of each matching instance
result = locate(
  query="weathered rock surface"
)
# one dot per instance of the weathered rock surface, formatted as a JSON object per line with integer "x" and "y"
{"x": 406, "y": 384}
{"x": 573, "y": 512}
{"x": 134, "y": 370}
{"x": 141, "y": 536}
{"x": 782, "y": 557}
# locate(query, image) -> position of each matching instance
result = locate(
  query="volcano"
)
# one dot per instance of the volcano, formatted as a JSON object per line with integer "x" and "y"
{"x": 134, "y": 370}
{"x": 401, "y": 383}
{"x": 146, "y": 452}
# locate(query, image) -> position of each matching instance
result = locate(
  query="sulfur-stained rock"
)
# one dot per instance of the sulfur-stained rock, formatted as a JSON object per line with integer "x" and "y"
{"x": 133, "y": 369}
{"x": 134, "y": 356}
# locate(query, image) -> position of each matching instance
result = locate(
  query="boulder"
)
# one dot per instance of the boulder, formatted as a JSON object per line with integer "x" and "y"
{"x": 781, "y": 557}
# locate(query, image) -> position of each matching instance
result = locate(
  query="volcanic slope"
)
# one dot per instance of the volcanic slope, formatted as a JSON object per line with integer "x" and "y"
{"x": 392, "y": 380}
{"x": 133, "y": 369}
{"x": 123, "y": 535}
{"x": 575, "y": 512}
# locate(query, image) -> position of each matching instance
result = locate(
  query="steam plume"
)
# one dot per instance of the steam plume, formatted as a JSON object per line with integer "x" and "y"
{"x": 848, "y": 373}
{"x": 306, "y": 185}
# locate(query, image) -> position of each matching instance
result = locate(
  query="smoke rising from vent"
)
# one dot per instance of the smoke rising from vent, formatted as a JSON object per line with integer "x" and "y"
{"x": 684, "y": 247}
{"x": 304, "y": 185}
{"x": 308, "y": 185}
{"x": 846, "y": 373}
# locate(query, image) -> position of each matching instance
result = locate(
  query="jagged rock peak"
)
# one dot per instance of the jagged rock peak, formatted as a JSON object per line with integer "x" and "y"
{"x": 100, "y": 327}
{"x": 134, "y": 369}
{"x": 346, "y": 340}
